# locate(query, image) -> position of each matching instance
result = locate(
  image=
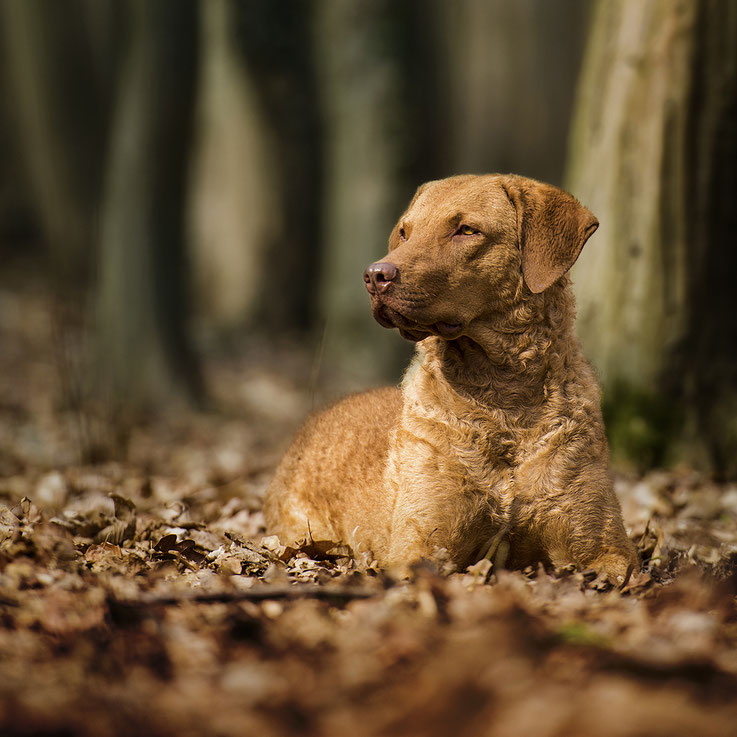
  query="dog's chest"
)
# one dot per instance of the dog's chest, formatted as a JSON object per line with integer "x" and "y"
{"x": 476, "y": 444}
{"x": 477, "y": 448}
{"x": 486, "y": 442}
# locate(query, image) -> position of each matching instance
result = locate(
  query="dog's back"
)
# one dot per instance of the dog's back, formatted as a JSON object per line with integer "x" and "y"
{"x": 330, "y": 482}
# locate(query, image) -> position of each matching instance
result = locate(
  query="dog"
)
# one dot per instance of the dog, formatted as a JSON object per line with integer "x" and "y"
{"x": 497, "y": 433}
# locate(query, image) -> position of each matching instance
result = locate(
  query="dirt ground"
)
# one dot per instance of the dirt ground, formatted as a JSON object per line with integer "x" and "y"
{"x": 141, "y": 596}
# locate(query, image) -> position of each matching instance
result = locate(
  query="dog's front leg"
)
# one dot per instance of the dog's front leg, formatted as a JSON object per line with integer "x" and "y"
{"x": 566, "y": 500}
{"x": 435, "y": 505}
{"x": 418, "y": 525}
{"x": 587, "y": 530}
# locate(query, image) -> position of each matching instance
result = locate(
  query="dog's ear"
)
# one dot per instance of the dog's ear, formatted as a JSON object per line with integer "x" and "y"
{"x": 552, "y": 228}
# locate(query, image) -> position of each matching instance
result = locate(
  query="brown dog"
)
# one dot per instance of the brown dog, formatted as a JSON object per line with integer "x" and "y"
{"x": 497, "y": 431}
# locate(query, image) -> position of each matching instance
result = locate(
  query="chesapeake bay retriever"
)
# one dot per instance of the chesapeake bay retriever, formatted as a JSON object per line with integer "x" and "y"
{"x": 497, "y": 429}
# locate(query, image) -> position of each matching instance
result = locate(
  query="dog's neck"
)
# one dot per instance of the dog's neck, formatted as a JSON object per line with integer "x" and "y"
{"x": 506, "y": 360}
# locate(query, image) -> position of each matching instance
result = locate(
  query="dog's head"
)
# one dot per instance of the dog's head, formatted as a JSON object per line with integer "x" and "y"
{"x": 468, "y": 247}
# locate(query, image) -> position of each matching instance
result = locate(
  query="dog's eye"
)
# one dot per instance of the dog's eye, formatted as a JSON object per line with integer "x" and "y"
{"x": 467, "y": 230}
{"x": 402, "y": 234}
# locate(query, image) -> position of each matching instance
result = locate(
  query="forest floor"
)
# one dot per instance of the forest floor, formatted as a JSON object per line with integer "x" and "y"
{"x": 141, "y": 596}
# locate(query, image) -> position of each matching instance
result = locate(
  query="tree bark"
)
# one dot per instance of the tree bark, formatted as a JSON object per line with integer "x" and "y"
{"x": 367, "y": 153}
{"x": 61, "y": 120}
{"x": 275, "y": 41}
{"x": 511, "y": 74}
{"x": 234, "y": 205}
{"x": 143, "y": 353}
{"x": 653, "y": 153}
{"x": 18, "y": 222}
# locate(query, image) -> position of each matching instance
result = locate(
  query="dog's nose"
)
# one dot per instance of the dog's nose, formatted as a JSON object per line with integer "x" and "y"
{"x": 379, "y": 276}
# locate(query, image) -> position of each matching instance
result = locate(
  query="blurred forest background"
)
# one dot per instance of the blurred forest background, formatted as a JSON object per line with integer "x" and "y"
{"x": 185, "y": 182}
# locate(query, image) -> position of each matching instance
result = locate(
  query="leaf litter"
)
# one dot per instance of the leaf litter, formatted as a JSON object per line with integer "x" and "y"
{"x": 145, "y": 597}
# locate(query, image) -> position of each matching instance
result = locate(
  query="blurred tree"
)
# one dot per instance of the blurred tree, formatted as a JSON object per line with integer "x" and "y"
{"x": 654, "y": 154}
{"x": 368, "y": 116}
{"x": 59, "y": 105}
{"x": 142, "y": 349}
{"x": 17, "y": 216}
{"x": 235, "y": 211}
{"x": 276, "y": 43}
{"x": 510, "y": 75}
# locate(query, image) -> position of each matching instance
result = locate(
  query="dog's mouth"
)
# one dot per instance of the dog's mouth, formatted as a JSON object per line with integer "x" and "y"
{"x": 411, "y": 329}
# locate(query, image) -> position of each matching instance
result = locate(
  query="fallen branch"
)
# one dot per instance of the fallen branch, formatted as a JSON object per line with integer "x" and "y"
{"x": 341, "y": 594}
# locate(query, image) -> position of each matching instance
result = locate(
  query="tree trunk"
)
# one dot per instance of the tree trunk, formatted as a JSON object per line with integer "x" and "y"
{"x": 653, "y": 153}
{"x": 235, "y": 208}
{"x": 275, "y": 40}
{"x": 18, "y": 222}
{"x": 144, "y": 356}
{"x": 511, "y": 76}
{"x": 367, "y": 120}
{"x": 60, "y": 117}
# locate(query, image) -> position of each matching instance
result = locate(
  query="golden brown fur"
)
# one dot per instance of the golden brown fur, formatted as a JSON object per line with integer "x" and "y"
{"x": 498, "y": 424}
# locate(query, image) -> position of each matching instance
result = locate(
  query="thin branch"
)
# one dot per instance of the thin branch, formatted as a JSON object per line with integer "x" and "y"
{"x": 260, "y": 593}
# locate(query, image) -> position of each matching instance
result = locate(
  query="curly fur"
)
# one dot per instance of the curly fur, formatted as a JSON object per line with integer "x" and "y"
{"x": 497, "y": 430}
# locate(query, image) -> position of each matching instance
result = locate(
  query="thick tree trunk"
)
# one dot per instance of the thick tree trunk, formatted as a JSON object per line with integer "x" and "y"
{"x": 275, "y": 40}
{"x": 367, "y": 130}
{"x": 142, "y": 347}
{"x": 60, "y": 118}
{"x": 235, "y": 205}
{"x": 653, "y": 153}
{"x": 511, "y": 75}
{"x": 18, "y": 220}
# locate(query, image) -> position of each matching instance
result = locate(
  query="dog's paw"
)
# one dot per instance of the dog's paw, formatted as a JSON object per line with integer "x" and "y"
{"x": 615, "y": 567}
